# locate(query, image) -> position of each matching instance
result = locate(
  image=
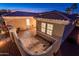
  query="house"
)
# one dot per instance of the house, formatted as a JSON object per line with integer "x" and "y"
{"x": 54, "y": 26}
{"x": 20, "y": 20}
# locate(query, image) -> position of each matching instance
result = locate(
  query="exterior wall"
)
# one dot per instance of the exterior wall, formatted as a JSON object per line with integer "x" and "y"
{"x": 58, "y": 29}
{"x": 19, "y": 22}
{"x": 67, "y": 31}
{"x": 57, "y": 33}
{"x": 32, "y": 22}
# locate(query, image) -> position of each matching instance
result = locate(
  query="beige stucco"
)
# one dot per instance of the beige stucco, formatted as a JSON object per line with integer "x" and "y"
{"x": 19, "y": 21}
{"x": 33, "y": 22}
{"x": 57, "y": 31}
{"x": 57, "y": 21}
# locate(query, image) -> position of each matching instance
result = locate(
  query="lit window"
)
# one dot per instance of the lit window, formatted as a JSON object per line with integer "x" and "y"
{"x": 43, "y": 27}
{"x": 49, "y": 29}
{"x": 28, "y": 21}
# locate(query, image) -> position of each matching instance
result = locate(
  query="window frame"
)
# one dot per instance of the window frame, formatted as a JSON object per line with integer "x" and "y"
{"x": 43, "y": 28}
{"x": 49, "y": 30}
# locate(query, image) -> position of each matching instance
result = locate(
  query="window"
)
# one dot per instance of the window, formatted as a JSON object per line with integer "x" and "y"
{"x": 28, "y": 21}
{"x": 49, "y": 29}
{"x": 43, "y": 27}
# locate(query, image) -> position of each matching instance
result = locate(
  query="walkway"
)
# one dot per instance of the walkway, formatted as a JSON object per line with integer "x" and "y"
{"x": 31, "y": 42}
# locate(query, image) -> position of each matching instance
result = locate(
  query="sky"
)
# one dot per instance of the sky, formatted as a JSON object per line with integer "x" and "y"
{"x": 37, "y": 7}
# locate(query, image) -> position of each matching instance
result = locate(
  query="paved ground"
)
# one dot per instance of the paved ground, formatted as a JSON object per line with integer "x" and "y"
{"x": 8, "y": 48}
{"x": 68, "y": 49}
{"x": 32, "y": 43}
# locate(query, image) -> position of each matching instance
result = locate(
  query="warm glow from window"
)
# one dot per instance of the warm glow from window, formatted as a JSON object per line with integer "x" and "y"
{"x": 28, "y": 21}
{"x": 2, "y": 43}
{"x": 43, "y": 27}
{"x": 49, "y": 29}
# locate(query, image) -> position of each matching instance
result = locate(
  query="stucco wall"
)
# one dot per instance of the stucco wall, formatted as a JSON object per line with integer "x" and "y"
{"x": 67, "y": 31}
{"x": 58, "y": 29}
{"x": 33, "y": 22}
{"x": 19, "y": 22}
{"x": 57, "y": 33}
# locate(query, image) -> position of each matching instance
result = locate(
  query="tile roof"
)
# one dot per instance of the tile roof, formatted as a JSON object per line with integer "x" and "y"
{"x": 20, "y": 13}
{"x": 57, "y": 15}
{"x": 48, "y": 15}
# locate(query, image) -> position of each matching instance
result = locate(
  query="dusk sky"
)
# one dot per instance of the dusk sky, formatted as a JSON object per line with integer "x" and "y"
{"x": 36, "y": 7}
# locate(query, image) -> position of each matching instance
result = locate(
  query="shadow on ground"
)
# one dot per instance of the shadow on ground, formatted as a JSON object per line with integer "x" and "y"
{"x": 68, "y": 49}
{"x": 9, "y": 49}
